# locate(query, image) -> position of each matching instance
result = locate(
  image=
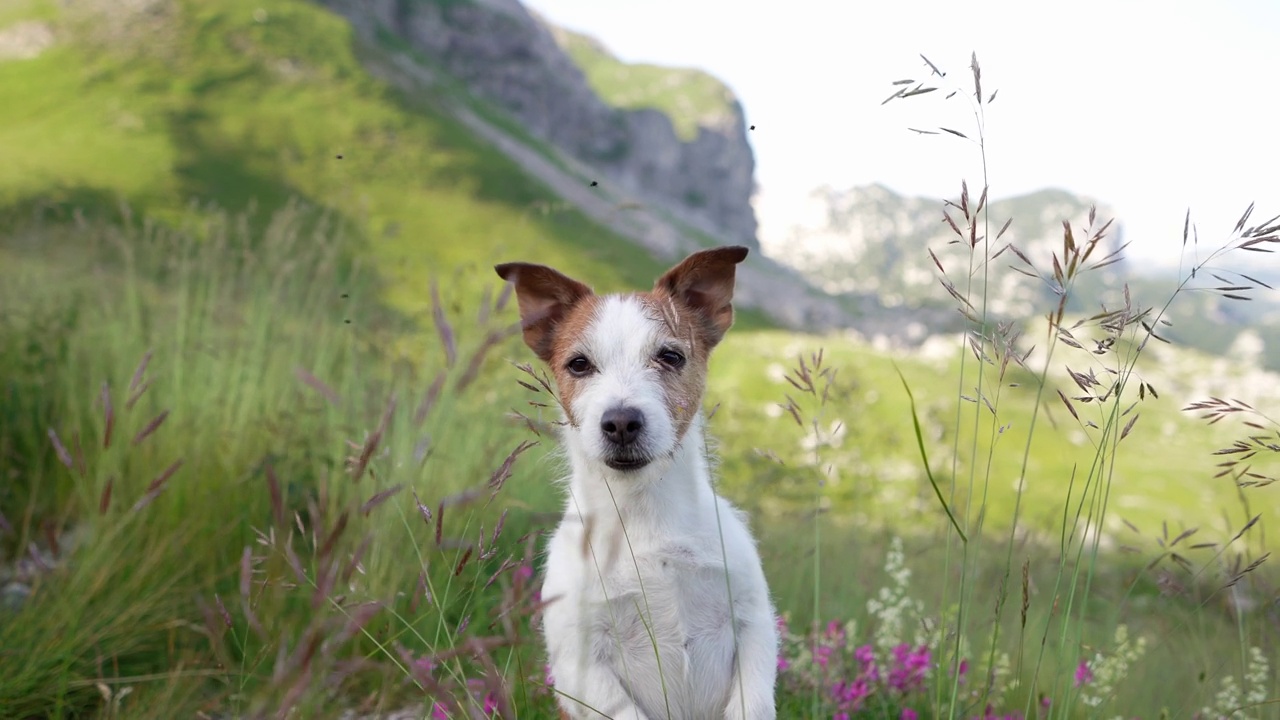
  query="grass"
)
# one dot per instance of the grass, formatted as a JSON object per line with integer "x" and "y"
{"x": 257, "y": 368}
{"x": 690, "y": 98}
{"x": 256, "y": 460}
{"x": 208, "y": 397}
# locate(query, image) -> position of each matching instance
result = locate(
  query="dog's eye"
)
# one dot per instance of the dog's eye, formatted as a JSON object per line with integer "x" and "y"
{"x": 579, "y": 365}
{"x": 671, "y": 359}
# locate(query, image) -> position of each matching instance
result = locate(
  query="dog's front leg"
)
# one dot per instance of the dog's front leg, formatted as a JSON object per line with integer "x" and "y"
{"x": 597, "y": 693}
{"x": 752, "y": 696}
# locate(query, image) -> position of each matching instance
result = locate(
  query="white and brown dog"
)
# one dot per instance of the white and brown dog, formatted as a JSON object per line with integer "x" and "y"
{"x": 659, "y": 606}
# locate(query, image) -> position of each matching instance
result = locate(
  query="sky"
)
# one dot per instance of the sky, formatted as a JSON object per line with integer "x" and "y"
{"x": 1151, "y": 108}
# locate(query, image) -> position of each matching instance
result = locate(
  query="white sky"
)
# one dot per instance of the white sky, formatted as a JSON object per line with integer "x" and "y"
{"x": 1150, "y": 107}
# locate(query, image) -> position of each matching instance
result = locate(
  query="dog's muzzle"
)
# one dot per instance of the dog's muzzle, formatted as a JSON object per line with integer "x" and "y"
{"x": 623, "y": 430}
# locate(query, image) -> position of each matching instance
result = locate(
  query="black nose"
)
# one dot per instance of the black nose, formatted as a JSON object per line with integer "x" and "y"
{"x": 622, "y": 425}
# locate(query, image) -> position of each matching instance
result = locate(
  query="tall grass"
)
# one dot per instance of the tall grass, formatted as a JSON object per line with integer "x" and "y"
{"x": 1101, "y": 387}
{"x": 225, "y": 493}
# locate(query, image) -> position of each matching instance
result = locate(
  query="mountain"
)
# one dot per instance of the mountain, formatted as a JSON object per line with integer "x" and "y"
{"x": 668, "y": 136}
{"x": 871, "y": 246}
{"x": 442, "y": 135}
{"x": 871, "y": 240}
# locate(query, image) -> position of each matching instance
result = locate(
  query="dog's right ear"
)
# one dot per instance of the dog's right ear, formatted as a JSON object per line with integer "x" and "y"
{"x": 544, "y": 296}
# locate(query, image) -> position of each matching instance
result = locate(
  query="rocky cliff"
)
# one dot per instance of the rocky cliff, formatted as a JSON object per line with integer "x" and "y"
{"x": 695, "y": 165}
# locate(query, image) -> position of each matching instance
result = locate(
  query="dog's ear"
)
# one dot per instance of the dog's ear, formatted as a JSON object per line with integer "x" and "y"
{"x": 544, "y": 296}
{"x": 703, "y": 282}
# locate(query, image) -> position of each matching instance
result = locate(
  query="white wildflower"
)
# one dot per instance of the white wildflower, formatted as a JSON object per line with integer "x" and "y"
{"x": 1256, "y": 677}
{"x": 1226, "y": 701}
{"x": 1108, "y": 671}
{"x": 1229, "y": 700}
{"x": 893, "y": 608}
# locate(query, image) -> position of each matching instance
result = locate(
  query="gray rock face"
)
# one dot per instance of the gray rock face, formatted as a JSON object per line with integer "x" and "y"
{"x": 510, "y": 57}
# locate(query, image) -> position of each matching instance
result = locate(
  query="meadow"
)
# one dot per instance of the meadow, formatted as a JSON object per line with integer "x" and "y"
{"x": 285, "y": 456}
{"x": 239, "y": 483}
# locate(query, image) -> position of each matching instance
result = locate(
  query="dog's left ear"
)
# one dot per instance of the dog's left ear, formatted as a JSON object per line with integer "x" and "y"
{"x": 703, "y": 282}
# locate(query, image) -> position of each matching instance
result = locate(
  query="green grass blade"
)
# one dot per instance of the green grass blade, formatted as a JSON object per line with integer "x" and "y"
{"x": 924, "y": 456}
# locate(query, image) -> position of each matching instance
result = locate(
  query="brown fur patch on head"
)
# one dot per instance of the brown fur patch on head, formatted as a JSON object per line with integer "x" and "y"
{"x": 694, "y": 300}
{"x": 683, "y": 388}
{"x": 571, "y": 327}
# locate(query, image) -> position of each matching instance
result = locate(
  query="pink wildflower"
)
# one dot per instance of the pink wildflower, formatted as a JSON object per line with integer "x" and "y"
{"x": 423, "y": 666}
{"x": 910, "y": 668}
{"x": 865, "y": 655}
{"x": 822, "y": 656}
{"x": 1084, "y": 675}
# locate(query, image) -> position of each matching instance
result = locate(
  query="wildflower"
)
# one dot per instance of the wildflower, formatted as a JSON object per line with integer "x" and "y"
{"x": 1083, "y": 674}
{"x": 835, "y": 632}
{"x": 910, "y": 668}
{"x": 1256, "y": 677}
{"x": 1227, "y": 700}
{"x": 865, "y": 655}
{"x": 438, "y": 712}
{"x": 1230, "y": 697}
{"x": 849, "y": 696}
{"x": 1105, "y": 672}
{"x": 908, "y": 714}
{"x": 423, "y": 666}
{"x": 822, "y": 656}
{"x": 892, "y": 607}
{"x": 524, "y": 572}
{"x": 1001, "y": 675}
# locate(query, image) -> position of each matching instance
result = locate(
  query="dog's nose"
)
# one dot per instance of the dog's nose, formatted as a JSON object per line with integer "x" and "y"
{"x": 622, "y": 425}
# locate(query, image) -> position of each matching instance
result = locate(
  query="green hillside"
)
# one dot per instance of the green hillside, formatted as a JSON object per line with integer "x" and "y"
{"x": 689, "y": 97}
{"x": 240, "y": 110}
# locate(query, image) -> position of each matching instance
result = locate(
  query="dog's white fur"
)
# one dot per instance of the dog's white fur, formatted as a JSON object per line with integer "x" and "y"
{"x": 653, "y": 557}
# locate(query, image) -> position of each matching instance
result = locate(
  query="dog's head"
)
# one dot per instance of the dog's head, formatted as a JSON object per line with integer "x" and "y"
{"x": 630, "y": 369}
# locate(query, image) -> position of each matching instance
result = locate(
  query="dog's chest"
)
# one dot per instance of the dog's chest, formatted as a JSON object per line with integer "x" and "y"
{"x": 674, "y": 598}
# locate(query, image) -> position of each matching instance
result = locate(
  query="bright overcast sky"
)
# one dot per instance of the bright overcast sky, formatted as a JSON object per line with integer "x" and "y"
{"x": 1150, "y": 107}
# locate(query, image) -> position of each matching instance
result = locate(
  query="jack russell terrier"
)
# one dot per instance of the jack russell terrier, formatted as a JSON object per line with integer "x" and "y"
{"x": 658, "y": 605}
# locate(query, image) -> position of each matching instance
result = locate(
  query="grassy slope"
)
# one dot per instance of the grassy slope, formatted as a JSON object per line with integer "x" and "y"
{"x": 243, "y": 110}
{"x": 878, "y": 459}
{"x": 688, "y": 97}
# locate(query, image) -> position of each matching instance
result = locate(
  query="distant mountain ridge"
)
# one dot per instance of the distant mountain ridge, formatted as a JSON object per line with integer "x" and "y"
{"x": 871, "y": 239}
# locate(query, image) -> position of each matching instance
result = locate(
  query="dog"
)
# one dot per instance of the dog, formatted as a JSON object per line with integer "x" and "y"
{"x": 656, "y": 599}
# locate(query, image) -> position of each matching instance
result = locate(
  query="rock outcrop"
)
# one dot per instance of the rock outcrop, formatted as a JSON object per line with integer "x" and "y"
{"x": 508, "y": 56}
